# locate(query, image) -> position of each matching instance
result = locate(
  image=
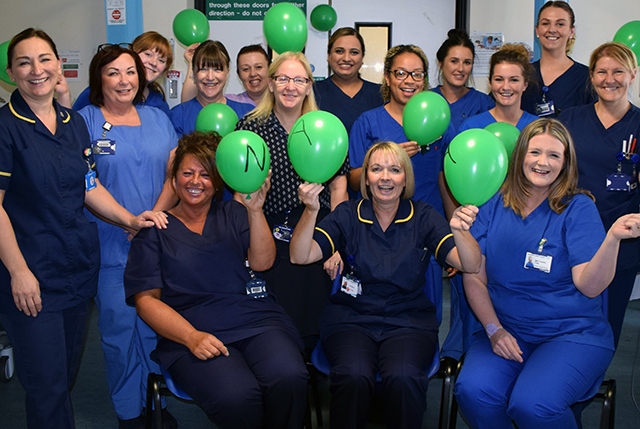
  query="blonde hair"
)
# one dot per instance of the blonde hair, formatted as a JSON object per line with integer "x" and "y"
{"x": 614, "y": 50}
{"x": 263, "y": 110}
{"x": 391, "y": 149}
{"x": 515, "y": 189}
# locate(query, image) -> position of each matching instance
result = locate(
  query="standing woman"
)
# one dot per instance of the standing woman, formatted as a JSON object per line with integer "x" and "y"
{"x": 345, "y": 93}
{"x": 509, "y": 76}
{"x": 48, "y": 249}
{"x": 302, "y": 291}
{"x": 605, "y": 135}
{"x": 455, "y": 67}
{"x": 157, "y": 57}
{"x": 211, "y": 71}
{"x": 253, "y": 68}
{"x": 559, "y": 81}
{"x": 133, "y": 165}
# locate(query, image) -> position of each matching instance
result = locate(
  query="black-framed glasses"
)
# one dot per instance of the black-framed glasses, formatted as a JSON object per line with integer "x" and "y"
{"x": 282, "y": 80}
{"x": 107, "y": 46}
{"x": 417, "y": 76}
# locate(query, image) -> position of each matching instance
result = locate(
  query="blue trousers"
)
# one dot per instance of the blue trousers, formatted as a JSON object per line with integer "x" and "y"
{"x": 47, "y": 350}
{"x": 261, "y": 384}
{"x": 538, "y": 393}
{"x": 127, "y": 342}
{"x": 400, "y": 359}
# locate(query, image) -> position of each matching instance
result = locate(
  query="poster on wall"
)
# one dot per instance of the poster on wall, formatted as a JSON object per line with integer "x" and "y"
{"x": 116, "y": 12}
{"x": 220, "y": 10}
{"x": 70, "y": 65}
{"x": 486, "y": 44}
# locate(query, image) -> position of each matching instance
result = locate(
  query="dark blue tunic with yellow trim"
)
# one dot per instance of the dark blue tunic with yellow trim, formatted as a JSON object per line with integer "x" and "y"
{"x": 390, "y": 264}
{"x": 43, "y": 178}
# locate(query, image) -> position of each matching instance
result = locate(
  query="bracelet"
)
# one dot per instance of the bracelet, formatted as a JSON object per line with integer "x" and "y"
{"x": 491, "y": 329}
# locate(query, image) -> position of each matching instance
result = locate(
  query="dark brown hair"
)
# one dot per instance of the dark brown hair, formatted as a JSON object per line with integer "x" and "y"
{"x": 28, "y": 34}
{"x": 258, "y": 49}
{"x": 202, "y": 146}
{"x": 105, "y": 55}
{"x": 210, "y": 53}
{"x": 345, "y": 31}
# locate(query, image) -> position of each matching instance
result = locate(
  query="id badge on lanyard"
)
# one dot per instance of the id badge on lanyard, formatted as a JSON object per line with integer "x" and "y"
{"x": 619, "y": 181}
{"x": 538, "y": 260}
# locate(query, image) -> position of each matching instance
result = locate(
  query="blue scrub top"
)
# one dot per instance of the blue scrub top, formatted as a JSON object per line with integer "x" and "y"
{"x": 184, "y": 115}
{"x": 155, "y": 99}
{"x": 377, "y": 125}
{"x": 470, "y": 104}
{"x": 43, "y": 176}
{"x": 596, "y": 149}
{"x": 390, "y": 264}
{"x": 535, "y": 305}
{"x": 203, "y": 278}
{"x": 134, "y": 175}
{"x": 332, "y": 99}
{"x": 483, "y": 119}
{"x": 572, "y": 88}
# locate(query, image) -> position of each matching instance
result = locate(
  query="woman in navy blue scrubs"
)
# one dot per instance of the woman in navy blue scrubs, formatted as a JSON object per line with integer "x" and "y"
{"x": 48, "y": 248}
{"x": 381, "y": 320}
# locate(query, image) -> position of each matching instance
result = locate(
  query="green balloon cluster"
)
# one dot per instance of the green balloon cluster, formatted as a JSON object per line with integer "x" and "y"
{"x": 317, "y": 146}
{"x": 191, "y": 26}
{"x": 426, "y": 117}
{"x": 507, "y": 133}
{"x": 629, "y": 34}
{"x": 243, "y": 161}
{"x": 475, "y": 166}
{"x": 323, "y": 17}
{"x": 217, "y": 117}
{"x": 4, "y": 61}
{"x": 285, "y": 28}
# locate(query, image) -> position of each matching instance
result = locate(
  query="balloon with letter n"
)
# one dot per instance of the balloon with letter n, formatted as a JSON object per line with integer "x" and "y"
{"x": 317, "y": 146}
{"x": 475, "y": 166}
{"x": 426, "y": 117}
{"x": 217, "y": 117}
{"x": 243, "y": 161}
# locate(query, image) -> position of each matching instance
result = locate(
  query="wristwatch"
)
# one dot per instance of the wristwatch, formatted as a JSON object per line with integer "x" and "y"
{"x": 491, "y": 329}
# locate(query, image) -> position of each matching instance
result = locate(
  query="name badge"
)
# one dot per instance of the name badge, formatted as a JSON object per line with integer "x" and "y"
{"x": 282, "y": 233}
{"x": 90, "y": 180}
{"x": 621, "y": 182}
{"x": 257, "y": 288}
{"x": 104, "y": 147}
{"x": 545, "y": 109}
{"x": 537, "y": 261}
{"x": 351, "y": 286}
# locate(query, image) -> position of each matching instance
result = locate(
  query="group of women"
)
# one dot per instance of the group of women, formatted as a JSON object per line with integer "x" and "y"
{"x": 527, "y": 319}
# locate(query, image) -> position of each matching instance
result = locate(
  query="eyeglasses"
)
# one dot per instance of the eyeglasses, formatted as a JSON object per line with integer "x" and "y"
{"x": 283, "y": 80}
{"x": 403, "y": 75}
{"x": 107, "y": 46}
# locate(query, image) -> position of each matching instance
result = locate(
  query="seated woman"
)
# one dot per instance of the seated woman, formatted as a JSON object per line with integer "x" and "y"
{"x": 381, "y": 320}
{"x": 546, "y": 260}
{"x": 235, "y": 352}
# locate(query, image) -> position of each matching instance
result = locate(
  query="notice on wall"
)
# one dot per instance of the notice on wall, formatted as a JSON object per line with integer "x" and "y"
{"x": 217, "y": 10}
{"x": 116, "y": 12}
{"x": 70, "y": 65}
{"x": 486, "y": 44}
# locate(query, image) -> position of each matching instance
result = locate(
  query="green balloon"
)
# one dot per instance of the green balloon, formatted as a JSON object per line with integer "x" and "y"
{"x": 426, "y": 117}
{"x": 285, "y": 28}
{"x": 243, "y": 161}
{"x": 323, "y": 17}
{"x": 475, "y": 166}
{"x": 317, "y": 146}
{"x": 4, "y": 60}
{"x": 191, "y": 26}
{"x": 629, "y": 34}
{"x": 217, "y": 117}
{"x": 507, "y": 133}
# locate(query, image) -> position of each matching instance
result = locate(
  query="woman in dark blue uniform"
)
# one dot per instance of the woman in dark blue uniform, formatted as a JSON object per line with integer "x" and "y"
{"x": 48, "y": 248}
{"x": 224, "y": 340}
{"x": 381, "y": 320}
{"x": 605, "y": 136}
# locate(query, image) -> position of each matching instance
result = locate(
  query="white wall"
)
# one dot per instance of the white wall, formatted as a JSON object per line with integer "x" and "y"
{"x": 596, "y": 23}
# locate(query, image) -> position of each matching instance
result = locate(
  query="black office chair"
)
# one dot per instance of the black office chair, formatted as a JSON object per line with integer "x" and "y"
{"x": 159, "y": 385}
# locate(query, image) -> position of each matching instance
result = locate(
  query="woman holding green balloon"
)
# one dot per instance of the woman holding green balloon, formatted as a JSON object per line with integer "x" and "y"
{"x": 302, "y": 291}
{"x": 210, "y": 68}
{"x": 405, "y": 74}
{"x": 345, "y": 93}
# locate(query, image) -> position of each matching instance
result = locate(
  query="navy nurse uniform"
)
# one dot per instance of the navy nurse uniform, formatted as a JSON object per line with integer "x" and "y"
{"x": 596, "y": 149}
{"x": 485, "y": 118}
{"x": 43, "y": 176}
{"x": 572, "y": 88}
{"x": 332, "y": 99}
{"x": 391, "y": 327}
{"x": 377, "y": 125}
{"x": 470, "y": 104}
{"x": 204, "y": 278}
{"x": 566, "y": 341}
